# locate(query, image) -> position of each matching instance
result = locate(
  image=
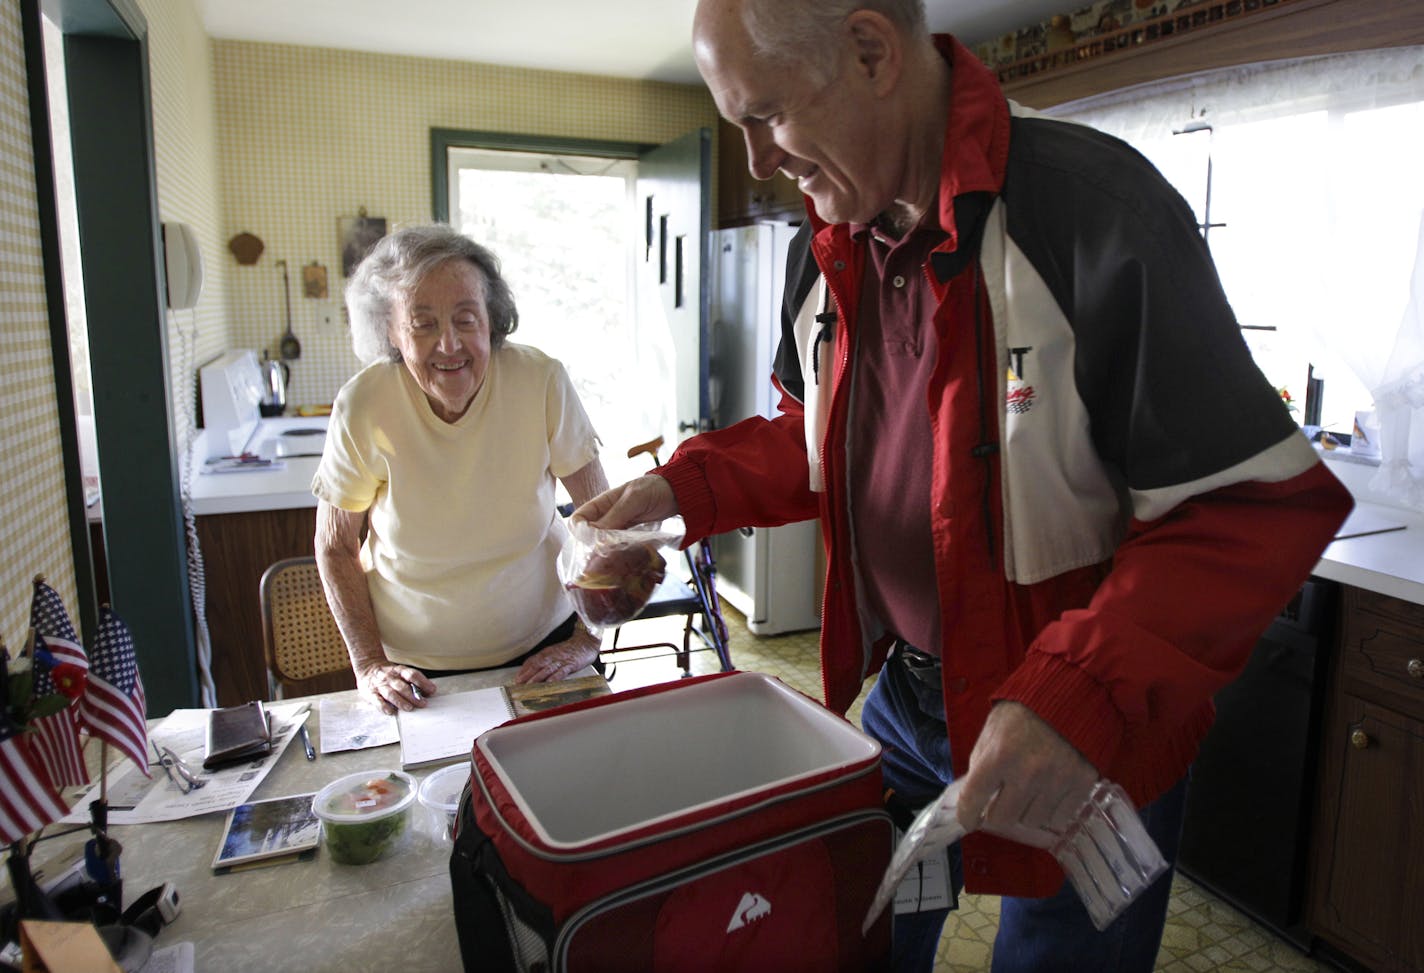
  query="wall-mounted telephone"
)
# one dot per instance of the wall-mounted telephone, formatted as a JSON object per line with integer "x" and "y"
{"x": 183, "y": 265}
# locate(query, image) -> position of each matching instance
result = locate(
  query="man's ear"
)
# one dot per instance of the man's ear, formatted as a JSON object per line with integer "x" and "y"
{"x": 879, "y": 48}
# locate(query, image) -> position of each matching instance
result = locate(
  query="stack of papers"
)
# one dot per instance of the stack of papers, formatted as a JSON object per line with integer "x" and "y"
{"x": 136, "y": 799}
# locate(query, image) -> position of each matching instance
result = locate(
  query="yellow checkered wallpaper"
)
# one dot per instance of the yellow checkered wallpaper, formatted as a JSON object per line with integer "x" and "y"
{"x": 308, "y": 135}
{"x": 185, "y": 171}
{"x": 281, "y": 142}
{"x": 34, "y": 529}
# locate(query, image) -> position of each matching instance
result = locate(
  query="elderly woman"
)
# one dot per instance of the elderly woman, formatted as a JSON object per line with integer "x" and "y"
{"x": 445, "y": 448}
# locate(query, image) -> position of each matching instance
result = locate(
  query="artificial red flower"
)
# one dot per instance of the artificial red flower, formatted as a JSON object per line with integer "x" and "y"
{"x": 69, "y": 679}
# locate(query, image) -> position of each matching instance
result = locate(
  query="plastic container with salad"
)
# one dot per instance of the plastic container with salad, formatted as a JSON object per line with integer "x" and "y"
{"x": 365, "y": 815}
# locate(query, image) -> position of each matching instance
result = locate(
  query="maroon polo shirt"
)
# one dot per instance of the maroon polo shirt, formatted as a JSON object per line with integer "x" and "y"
{"x": 890, "y": 449}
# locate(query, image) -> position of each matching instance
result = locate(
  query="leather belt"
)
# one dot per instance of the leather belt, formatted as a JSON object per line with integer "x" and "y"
{"x": 921, "y": 665}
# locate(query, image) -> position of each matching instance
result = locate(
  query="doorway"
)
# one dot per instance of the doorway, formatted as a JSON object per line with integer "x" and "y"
{"x": 104, "y": 46}
{"x": 562, "y": 227}
{"x": 604, "y": 280}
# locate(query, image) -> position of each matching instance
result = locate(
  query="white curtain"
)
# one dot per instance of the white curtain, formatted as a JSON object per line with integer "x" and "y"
{"x": 1317, "y": 172}
{"x": 1399, "y": 401}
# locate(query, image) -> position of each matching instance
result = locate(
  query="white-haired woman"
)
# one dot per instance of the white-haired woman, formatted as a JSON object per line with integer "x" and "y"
{"x": 445, "y": 449}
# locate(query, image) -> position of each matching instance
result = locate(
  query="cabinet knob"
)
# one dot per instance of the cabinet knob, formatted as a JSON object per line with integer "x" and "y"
{"x": 1415, "y": 668}
{"x": 1359, "y": 739}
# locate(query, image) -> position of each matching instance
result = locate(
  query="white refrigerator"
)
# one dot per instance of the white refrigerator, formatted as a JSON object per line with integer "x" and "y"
{"x": 773, "y": 576}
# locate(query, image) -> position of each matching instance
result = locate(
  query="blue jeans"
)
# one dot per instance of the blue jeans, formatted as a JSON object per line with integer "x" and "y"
{"x": 1041, "y": 935}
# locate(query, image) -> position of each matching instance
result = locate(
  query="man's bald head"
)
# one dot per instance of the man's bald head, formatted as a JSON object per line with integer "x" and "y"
{"x": 800, "y": 31}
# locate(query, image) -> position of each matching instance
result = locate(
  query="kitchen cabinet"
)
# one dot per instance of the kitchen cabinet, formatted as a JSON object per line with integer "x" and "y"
{"x": 742, "y": 199}
{"x": 245, "y": 522}
{"x": 1368, "y": 867}
{"x": 1275, "y": 30}
{"x": 237, "y": 549}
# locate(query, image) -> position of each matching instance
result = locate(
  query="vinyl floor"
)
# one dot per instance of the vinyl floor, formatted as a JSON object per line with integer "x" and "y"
{"x": 1202, "y": 934}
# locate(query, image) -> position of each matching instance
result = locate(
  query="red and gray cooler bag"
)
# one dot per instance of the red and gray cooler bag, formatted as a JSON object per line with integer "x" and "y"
{"x": 720, "y": 823}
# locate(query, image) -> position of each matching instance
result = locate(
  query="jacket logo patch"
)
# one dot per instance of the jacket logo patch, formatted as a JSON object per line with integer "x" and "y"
{"x": 1020, "y": 395}
{"x": 749, "y": 910}
{"x": 1019, "y": 398}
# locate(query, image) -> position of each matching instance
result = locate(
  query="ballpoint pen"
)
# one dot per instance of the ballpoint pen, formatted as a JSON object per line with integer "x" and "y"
{"x": 306, "y": 743}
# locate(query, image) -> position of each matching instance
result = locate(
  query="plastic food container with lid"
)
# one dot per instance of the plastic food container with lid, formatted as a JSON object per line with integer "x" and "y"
{"x": 365, "y": 815}
{"x": 440, "y": 792}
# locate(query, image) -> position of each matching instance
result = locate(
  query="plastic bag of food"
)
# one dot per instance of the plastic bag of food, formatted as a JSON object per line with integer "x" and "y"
{"x": 1105, "y": 851}
{"x": 611, "y": 574}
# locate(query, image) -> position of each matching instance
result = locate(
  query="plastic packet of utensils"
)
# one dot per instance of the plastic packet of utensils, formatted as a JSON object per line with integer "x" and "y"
{"x": 1105, "y": 851}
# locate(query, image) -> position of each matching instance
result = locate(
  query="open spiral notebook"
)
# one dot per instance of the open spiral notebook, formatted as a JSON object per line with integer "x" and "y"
{"x": 444, "y": 729}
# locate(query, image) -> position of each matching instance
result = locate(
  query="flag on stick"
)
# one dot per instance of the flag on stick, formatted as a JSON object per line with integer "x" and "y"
{"x": 59, "y": 666}
{"x": 113, "y": 705}
{"x": 28, "y": 801}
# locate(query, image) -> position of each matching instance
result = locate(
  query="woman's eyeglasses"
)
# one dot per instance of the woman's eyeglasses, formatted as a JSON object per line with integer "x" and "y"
{"x": 178, "y": 772}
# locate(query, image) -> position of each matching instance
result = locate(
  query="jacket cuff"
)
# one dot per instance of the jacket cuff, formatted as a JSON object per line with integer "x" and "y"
{"x": 694, "y": 496}
{"x": 1071, "y": 701}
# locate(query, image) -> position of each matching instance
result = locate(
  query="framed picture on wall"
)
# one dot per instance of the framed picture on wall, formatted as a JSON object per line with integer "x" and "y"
{"x": 357, "y": 235}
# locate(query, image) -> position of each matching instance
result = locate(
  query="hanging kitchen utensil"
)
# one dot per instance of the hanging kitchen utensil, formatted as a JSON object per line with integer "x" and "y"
{"x": 289, "y": 348}
{"x": 246, "y": 247}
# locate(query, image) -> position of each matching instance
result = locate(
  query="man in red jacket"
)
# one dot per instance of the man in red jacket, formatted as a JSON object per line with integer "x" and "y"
{"x": 1059, "y": 501}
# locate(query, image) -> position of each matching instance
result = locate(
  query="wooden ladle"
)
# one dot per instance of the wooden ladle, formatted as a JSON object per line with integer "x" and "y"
{"x": 289, "y": 348}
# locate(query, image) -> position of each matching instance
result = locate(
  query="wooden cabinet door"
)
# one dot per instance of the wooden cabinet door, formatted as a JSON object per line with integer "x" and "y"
{"x": 741, "y": 199}
{"x": 237, "y": 549}
{"x": 1369, "y": 895}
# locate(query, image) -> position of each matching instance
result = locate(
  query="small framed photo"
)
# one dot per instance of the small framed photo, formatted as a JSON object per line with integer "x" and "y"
{"x": 358, "y": 234}
{"x": 314, "y": 281}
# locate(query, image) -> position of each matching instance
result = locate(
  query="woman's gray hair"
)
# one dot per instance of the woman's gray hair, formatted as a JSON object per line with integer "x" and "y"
{"x": 804, "y": 31}
{"x": 394, "y": 269}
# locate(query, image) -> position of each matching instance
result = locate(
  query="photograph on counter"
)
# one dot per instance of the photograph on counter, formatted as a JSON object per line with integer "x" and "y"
{"x": 279, "y": 827}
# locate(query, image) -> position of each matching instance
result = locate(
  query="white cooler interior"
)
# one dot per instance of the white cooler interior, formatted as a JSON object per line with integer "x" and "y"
{"x": 584, "y": 775}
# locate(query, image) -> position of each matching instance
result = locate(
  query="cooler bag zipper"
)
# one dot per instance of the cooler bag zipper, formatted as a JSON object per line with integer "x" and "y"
{"x": 657, "y": 884}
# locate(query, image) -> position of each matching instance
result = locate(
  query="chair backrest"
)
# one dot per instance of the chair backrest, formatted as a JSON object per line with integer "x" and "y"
{"x": 301, "y": 638}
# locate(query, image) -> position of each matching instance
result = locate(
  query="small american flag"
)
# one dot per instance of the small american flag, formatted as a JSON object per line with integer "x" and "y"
{"x": 56, "y": 740}
{"x": 28, "y": 801}
{"x": 113, "y": 706}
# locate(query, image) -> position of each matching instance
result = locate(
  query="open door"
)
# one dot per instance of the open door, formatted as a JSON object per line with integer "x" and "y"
{"x": 673, "y": 284}
{"x": 105, "y": 65}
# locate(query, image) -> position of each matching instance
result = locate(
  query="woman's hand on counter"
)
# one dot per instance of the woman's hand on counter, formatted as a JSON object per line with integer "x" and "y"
{"x": 393, "y": 686}
{"x": 562, "y": 659}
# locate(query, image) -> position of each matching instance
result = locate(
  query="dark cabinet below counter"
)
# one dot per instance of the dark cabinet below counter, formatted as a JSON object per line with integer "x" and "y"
{"x": 1246, "y": 833}
{"x": 237, "y": 548}
{"x": 1367, "y": 895}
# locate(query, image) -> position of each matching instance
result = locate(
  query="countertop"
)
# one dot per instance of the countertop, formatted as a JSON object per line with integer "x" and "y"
{"x": 1390, "y": 563}
{"x": 313, "y": 916}
{"x": 259, "y": 489}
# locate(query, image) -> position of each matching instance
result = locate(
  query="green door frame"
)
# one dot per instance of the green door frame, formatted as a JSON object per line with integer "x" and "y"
{"x": 111, "y": 131}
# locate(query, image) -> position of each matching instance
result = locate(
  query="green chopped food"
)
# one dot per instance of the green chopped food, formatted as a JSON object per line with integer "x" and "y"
{"x": 364, "y": 817}
{"x": 364, "y": 842}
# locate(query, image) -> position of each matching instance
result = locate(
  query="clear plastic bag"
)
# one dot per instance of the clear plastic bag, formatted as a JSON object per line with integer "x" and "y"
{"x": 610, "y": 575}
{"x": 1106, "y": 852}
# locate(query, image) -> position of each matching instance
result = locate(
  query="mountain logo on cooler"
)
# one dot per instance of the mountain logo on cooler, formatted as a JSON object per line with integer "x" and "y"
{"x": 749, "y": 910}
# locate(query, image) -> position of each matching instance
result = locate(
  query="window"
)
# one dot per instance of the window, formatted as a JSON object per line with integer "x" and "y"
{"x": 1312, "y": 172}
{"x": 567, "y": 233}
